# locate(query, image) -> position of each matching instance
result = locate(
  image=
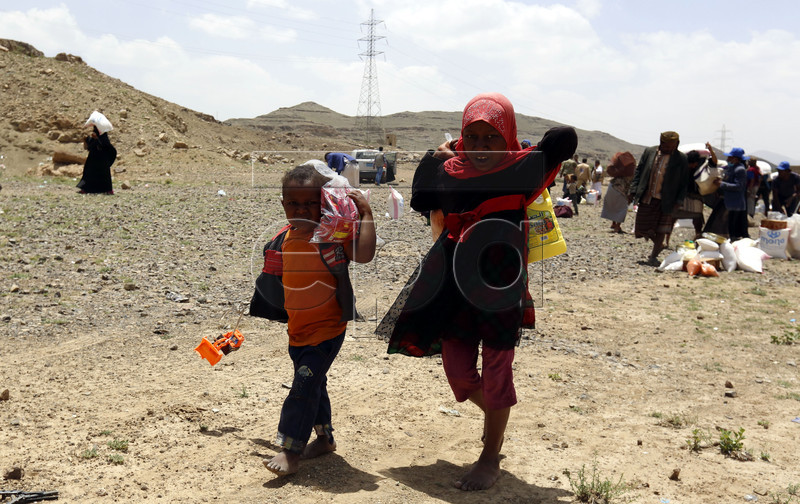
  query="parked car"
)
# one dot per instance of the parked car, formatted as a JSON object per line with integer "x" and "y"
{"x": 366, "y": 167}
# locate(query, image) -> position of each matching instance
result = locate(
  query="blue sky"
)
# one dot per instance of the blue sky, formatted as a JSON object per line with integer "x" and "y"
{"x": 629, "y": 68}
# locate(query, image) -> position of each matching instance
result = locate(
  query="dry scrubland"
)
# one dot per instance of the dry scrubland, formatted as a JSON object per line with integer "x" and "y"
{"x": 104, "y": 298}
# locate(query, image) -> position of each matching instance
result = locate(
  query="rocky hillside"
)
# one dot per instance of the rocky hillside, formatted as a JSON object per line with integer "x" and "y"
{"x": 44, "y": 103}
{"x": 419, "y": 131}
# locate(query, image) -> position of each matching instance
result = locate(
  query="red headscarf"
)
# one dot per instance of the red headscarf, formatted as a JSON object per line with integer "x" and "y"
{"x": 496, "y": 110}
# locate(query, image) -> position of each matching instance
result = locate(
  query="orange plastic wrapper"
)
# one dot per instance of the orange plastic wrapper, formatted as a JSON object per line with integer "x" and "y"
{"x": 340, "y": 220}
{"x": 708, "y": 270}
{"x": 693, "y": 266}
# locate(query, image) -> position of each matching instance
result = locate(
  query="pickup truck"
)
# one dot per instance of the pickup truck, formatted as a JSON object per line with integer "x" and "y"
{"x": 366, "y": 168}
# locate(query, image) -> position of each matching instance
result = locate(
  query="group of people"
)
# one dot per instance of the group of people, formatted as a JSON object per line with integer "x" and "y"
{"x": 663, "y": 186}
{"x": 579, "y": 179}
{"x": 337, "y": 161}
{"x": 462, "y": 305}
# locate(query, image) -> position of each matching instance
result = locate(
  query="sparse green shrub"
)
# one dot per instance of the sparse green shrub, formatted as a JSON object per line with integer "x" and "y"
{"x": 593, "y": 488}
{"x": 118, "y": 444}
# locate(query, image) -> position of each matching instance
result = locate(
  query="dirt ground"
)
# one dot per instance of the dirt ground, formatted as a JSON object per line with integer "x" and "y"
{"x": 104, "y": 298}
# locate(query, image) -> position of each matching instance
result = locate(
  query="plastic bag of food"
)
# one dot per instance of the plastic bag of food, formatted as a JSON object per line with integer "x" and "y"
{"x": 728, "y": 256}
{"x": 708, "y": 270}
{"x": 339, "y": 218}
{"x": 396, "y": 204}
{"x": 100, "y": 121}
{"x": 750, "y": 259}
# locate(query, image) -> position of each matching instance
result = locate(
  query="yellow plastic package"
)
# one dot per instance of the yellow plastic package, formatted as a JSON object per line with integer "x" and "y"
{"x": 544, "y": 234}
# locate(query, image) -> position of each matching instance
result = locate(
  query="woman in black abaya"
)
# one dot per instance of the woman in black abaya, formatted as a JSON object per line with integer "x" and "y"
{"x": 97, "y": 169}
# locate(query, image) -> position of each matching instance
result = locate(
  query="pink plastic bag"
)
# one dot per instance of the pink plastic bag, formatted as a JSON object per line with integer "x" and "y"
{"x": 340, "y": 220}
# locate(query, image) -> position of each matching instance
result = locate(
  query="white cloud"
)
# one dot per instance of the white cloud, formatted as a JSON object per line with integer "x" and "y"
{"x": 236, "y": 27}
{"x": 589, "y": 8}
{"x": 291, "y": 10}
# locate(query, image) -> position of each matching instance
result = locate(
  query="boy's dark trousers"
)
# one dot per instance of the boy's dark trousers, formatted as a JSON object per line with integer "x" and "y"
{"x": 308, "y": 404}
{"x": 576, "y": 198}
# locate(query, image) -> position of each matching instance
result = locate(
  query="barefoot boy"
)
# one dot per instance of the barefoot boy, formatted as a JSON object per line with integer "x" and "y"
{"x": 307, "y": 285}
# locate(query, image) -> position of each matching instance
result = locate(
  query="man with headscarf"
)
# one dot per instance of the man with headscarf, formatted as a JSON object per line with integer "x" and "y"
{"x": 659, "y": 187}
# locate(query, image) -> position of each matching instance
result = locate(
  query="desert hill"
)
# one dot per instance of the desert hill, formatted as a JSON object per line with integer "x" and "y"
{"x": 45, "y": 102}
{"x": 418, "y": 131}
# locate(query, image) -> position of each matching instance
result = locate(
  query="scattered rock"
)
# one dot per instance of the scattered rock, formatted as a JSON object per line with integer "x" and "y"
{"x": 676, "y": 474}
{"x": 730, "y": 393}
{"x": 125, "y": 185}
{"x": 5, "y": 395}
{"x": 130, "y": 286}
{"x": 178, "y": 298}
{"x": 728, "y": 384}
{"x": 15, "y": 473}
{"x": 180, "y": 145}
{"x": 14, "y": 288}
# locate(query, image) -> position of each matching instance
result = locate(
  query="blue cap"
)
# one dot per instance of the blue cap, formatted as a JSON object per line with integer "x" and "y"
{"x": 737, "y": 152}
{"x": 784, "y": 165}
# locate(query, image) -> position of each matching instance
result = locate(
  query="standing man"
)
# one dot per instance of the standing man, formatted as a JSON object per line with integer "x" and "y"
{"x": 785, "y": 190}
{"x": 659, "y": 186}
{"x": 567, "y": 169}
{"x": 584, "y": 173}
{"x": 597, "y": 179}
{"x": 379, "y": 163}
{"x": 734, "y": 188}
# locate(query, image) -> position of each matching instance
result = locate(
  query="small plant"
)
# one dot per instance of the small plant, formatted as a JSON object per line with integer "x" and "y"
{"x": 243, "y": 393}
{"x": 554, "y": 376}
{"x": 577, "y": 409}
{"x": 203, "y": 428}
{"x": 731, "y": 444}
{"x": 765, "y": 456}
{"x": 758, "y": 291}
{"x": 788, "y": 338}
{"x": 593, "y": 488}
{"x": 794, "y": 489}
{"x": 696, "y": 440}
{"x": 657, "y": 414}
{"x": 118, "y": 444}
{"x": 105, "y": 433}
{"x": 789, "y": 395}
{"x": 116, "y": 459}
{"x": 676, "y": 421}
{"x": 764, "y": 423}
{"x": 89, "y": 454}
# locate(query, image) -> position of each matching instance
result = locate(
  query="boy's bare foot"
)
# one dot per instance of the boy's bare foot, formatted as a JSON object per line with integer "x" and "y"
{"x": 483, "y": 475}
{"x": 319, "y": 446}
{"x": 283, "y": 463}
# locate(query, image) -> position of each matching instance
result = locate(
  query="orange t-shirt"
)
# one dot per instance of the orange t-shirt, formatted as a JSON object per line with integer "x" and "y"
{"x": 309, "y": 289}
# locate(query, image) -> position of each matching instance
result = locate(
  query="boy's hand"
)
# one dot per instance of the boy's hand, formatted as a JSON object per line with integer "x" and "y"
{"x": 361, "y": 203}
{"x": 362, "y": 249}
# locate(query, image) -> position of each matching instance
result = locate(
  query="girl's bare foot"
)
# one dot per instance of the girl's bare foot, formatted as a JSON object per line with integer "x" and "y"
{"x": 483, "y": 475}
{"x": 283, "y": 463}
{"x": 319, "y": 446}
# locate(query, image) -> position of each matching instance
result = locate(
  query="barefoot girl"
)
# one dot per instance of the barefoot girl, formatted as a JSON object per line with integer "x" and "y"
{"x": 467, "y": 295}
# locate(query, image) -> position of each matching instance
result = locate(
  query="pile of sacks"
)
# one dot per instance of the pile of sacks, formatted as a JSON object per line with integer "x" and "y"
{"x": 709, "y": 257}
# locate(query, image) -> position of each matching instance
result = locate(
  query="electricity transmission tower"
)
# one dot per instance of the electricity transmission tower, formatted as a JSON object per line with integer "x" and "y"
{"x": 368, "y": 116}
{"x": 723, "y": 138}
